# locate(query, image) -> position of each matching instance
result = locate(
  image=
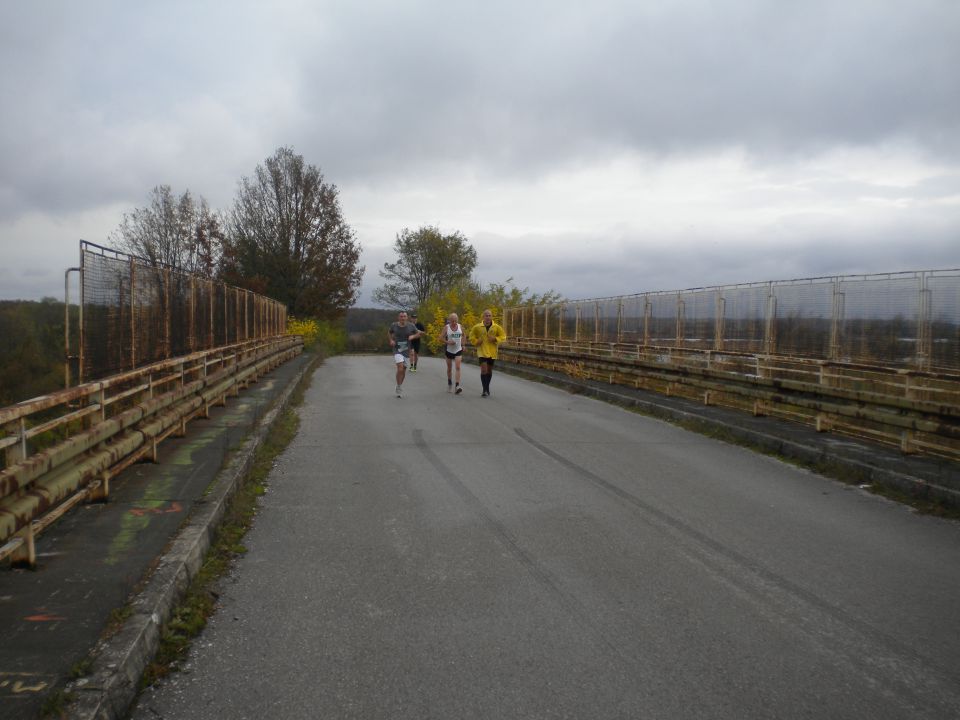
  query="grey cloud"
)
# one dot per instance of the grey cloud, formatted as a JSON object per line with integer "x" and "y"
{"x": 37, "y": 281}
{"x": 106, "y": 90}
{"x": 104, "y": 100}
{"x": 113, "y": 99}
{"x": 775, "y": 78}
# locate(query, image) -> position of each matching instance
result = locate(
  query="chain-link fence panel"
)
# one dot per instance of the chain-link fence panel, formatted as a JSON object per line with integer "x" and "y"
{"x": 697, "y": 313}
{"x": 568, "y": 322}
{"x": 554, "y": 315}
{"x": 529, "y": 322}
{"x": 661, "y": 320}
{"x": 801, "y": 318}
{"x": 203, "y": 314}
{"x": 631, "y": 319}
{"x": 134, "y": 313}
{"x": 909, "y": 319}
{"x": 608, "y": 320}
{"x": 586, "y": 321}
{"x": 541, "y": 320}
{"x": 509, "y": 325}
{"x": 878, "y": 321}
{"x": 941, "y": 345}
{"x": 181, "y": 300}
{"x": 743, "y": 317}
{"x": 105, "y": 307}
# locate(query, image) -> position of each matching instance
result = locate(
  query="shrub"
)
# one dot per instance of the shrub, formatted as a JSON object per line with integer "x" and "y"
{"x": 320, "y": 334}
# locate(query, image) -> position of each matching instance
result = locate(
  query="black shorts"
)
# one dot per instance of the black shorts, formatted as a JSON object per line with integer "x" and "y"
{"x": 451, "y": 355}
{"x": 415, "y": 345}
{"x": 487, "y": 361}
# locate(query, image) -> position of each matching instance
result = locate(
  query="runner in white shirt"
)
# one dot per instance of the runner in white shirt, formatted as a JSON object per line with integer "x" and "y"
{"x": 451, "y": 337}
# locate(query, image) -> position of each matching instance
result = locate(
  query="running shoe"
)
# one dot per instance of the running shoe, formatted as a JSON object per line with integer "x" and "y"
{"x": 458, "y": 390}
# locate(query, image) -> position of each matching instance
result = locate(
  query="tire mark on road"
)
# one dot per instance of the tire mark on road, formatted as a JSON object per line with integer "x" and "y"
{"x": 919, "y": 677}
{"x": 576, "y": 609}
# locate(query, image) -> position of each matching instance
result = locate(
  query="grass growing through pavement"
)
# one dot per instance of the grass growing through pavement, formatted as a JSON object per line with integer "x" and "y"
{"x": 55, "y": 704}
{"x": 81, "y": 669}
{"x": 118, "y": 616}
{"x": 190, "y": 616}
{"x": 924, "y": 506}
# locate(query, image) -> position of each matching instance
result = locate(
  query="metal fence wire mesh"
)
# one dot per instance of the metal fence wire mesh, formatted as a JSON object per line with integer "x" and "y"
{"x": 902, "y": 320}
{"x": 133, "y": 313}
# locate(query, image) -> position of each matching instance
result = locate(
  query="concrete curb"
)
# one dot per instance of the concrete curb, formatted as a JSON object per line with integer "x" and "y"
{"x": 119, "y": 661}
{"x": 933, "y": 479}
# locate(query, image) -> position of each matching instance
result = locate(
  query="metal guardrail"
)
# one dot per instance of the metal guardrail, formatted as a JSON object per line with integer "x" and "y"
{"x": 64, "y": 448}
{"x": 917, "y": 411}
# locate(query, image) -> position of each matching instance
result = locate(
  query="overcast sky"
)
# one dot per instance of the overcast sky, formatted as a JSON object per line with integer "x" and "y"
{"x": 629, "y": 147}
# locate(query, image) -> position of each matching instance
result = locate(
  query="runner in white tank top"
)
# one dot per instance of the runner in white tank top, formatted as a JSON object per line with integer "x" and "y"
{"x": 451, "y": 337}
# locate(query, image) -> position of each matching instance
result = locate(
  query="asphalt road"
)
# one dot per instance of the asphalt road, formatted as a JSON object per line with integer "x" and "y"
{"x": 538, "y": 554}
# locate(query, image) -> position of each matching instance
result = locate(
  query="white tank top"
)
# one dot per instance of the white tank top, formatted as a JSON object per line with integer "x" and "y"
{"x": 456, "y": 336}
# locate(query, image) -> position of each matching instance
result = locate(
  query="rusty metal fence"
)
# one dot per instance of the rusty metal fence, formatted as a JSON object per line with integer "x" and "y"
{"x": 903, "y": 320}
{"x": 133, "y": 313}
{"x": 874, "y": 356}
{"x": 64, "y": 448}
{"x": 156, "y": 348}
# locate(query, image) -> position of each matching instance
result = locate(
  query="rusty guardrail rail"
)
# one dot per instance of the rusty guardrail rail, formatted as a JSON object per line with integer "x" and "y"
{"x": 917, "y": 411}
{"x": 64, "y": 448}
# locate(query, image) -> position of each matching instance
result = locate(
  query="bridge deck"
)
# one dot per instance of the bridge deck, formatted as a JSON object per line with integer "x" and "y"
{"x": 540, "y": 554}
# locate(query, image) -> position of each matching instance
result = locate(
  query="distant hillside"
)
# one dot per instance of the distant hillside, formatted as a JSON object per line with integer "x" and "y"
{"x": 367, "y": 329}
{"x": 363, "y": 319}
{"x": 32, "y": 353}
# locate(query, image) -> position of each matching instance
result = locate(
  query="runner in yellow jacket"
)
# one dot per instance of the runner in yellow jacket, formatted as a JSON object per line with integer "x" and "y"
{"x": 487, "y": 336}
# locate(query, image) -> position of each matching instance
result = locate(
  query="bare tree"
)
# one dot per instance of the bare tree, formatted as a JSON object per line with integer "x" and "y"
{"x": 174, "y": 231}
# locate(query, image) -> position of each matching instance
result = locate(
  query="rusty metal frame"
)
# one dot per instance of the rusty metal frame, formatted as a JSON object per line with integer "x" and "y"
{"x": 834, "y": 344}
{"x": 67, "y": 357}
{"x": 268, "y": 319}
{"x": 108, "y": 425}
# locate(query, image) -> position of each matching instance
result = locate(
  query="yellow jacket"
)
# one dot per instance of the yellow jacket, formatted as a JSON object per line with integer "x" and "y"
{"x": 487, "y": 339}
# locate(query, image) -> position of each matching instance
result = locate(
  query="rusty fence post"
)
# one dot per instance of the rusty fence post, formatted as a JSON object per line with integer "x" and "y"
{"x": 647, "y": 316}
{"x": 67, "y": 357}
{"x": 681, "y": 313}
{"x": 81, "y": 336}
{"x": 168, "y": 316}
{"x": 192, "y": 313}
{"x": 718, "y": 326}
{"x": 770, "y": 328}
{"x": 924, "y": 326}
{"x": 133, "y": 314}
{"x": 837, "y": 312}
{"x": 211, "y": 339}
